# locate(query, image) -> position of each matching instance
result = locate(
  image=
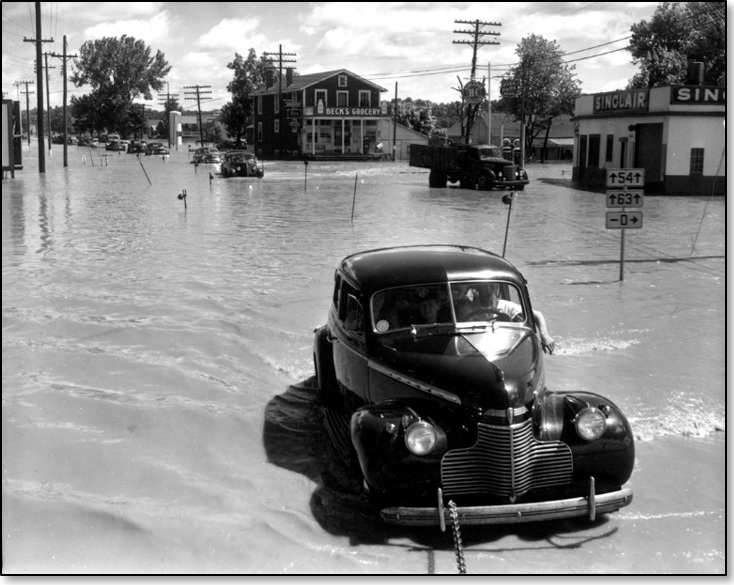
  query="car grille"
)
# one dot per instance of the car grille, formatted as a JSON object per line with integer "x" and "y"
{"x": 506, "y": 461}
{"x": 509, "y": 172}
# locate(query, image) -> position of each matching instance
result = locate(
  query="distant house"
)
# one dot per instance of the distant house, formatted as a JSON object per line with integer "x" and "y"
{"x": 334, "y": 114}
{"x": 560, "y": 138}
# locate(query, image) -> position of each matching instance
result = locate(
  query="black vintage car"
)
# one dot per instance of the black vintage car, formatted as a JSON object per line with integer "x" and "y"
{"x": 240, "y": 163}
{"x": 432, "y": 353}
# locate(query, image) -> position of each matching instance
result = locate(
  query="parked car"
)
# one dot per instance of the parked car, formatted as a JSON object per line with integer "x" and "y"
{"x": 240, "y": 163}
{"x": 136, "y": 146}
{"x": 156, "y": 148}
{"x": 206, "y": 155}
{"x": 116, "y": 146}
{"x": 432, "y": 356}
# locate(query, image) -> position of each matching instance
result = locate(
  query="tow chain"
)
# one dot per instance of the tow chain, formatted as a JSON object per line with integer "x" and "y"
{"x": 458, "y": 546}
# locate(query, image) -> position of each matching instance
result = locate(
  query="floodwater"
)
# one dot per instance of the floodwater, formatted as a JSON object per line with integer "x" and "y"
{"x": 158, "y": 410}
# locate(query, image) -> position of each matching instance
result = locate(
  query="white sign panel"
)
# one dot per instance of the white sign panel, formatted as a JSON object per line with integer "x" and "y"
{"x": 625, "y": 177}
{"x": 624, "y": 219}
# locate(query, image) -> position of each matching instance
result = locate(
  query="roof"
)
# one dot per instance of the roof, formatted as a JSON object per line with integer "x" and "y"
{"x": 301, "y": 82}
{"x": 383, "y": 268}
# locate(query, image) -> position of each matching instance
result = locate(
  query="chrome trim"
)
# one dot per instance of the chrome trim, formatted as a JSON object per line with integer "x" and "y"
{"x": 516, "y": 412}
{"x": 512, "y": 513}
{"x": 413, "y": 383}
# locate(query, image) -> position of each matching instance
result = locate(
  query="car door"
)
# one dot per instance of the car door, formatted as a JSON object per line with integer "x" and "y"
{"x": 349, "y": 347}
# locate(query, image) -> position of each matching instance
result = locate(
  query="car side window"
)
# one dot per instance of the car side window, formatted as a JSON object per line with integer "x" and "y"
{"x": 350, "y": 308}
{"x": 337, "y": 287}
{"x": 353, "y": 319}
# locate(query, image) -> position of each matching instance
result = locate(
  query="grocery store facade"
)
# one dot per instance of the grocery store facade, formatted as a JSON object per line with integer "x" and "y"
{"x": 676, "y": 133}
{"x": 335, "y": 114}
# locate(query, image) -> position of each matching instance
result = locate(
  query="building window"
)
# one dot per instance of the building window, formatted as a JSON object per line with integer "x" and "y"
{"x": 364, "y": 98}
{"x": 610, "y": 148}
{"x": 594, "y": 148}
{"x": 276, "y": 105}
{"x": 320, "y": 96}
{"x": 260, "y": 105}
{"x": 342, "y": 99}
{"x": 696, "y": 161}
{"x": 259, "y": 131}
{"x": 342, "y": 81}
{"x": 276, "y": 126}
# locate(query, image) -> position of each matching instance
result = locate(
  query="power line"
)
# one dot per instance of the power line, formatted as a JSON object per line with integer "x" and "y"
{"x": 199, "y": 92}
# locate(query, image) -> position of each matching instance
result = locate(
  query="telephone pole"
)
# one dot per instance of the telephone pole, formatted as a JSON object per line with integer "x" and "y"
{"x": 27, "y": 106}
{"x": 477, "y": 34}
{"x": 64, "y": 58}
{"x": 166, "y": 101}
{"x": 39, "y": 84}
{"x": 199, "y": 95}
{"x": 48, "y": 99}
{"x": 280, "y": 54}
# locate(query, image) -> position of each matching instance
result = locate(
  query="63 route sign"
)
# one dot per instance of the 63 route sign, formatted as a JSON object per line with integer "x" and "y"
{"x": 624, "y": 198}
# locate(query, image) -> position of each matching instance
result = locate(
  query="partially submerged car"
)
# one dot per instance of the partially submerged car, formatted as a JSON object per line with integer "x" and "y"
{"x": 206, "y": 155}
{"x": 432, "y": 353}
{"x": 240, "y": 163}
{"x": 156, "y": 149}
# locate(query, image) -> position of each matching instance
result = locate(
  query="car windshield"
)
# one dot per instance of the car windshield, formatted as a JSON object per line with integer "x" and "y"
{"x": 457, "y": 304}
{"x": 490, "y": 152}
{"x": 239, "y": 157}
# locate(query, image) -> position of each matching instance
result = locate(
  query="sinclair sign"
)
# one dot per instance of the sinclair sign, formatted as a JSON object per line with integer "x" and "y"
{"x": 698, "y": 95}
{"x": 633, "y": 100}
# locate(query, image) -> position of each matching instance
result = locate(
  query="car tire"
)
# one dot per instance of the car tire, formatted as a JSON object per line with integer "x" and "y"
{"x": 485, "y": 181}
{"x": 323, "y": 358}
{"x": 437, "y": 180}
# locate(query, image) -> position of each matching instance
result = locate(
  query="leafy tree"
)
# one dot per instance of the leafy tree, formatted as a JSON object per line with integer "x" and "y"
{"x": 548, "y": 87}
{"x": 417, "y": 115}
{"x": 119, "y": 70}
{"x": 249, "y": 73}
{"x": 677, "y": 34}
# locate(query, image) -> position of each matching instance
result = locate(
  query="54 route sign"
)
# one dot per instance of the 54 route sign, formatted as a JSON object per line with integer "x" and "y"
{"x": 624, "y": 198}
{"x": 624, "y": 219}
{"x": 625, "y": 177}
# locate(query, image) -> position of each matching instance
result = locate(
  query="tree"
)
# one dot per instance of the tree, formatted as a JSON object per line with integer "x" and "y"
{"x": 678, "y": 34}
{"x": 548, "y": 87}
{"x": 119, "y": 70}
{"x": 249, "y": 73}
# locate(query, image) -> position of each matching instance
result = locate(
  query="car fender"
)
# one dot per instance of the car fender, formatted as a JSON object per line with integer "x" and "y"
{"x": 610, "y": 458}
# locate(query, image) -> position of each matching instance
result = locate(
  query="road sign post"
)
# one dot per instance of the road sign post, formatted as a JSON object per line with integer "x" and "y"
{"x": 624, "y": 190}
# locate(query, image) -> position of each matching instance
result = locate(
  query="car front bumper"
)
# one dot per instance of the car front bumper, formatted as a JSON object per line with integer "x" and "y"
{"x": 588, "y": 506}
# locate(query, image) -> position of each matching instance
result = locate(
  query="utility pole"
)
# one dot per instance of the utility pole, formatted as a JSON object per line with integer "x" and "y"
{"x": 48, "y": 99}
{"x": 27, "y": 106}
{"x": 39, "y": 83}
{"x": 199, "y": 95}
{"x": 281, "y": 60}
{"x": 477, "y": 34}
{"x": 167, "y": 103}
{"x": 64, "y": 58}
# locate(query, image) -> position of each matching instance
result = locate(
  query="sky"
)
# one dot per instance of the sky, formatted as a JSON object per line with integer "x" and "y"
{"x": 408, "y": 46}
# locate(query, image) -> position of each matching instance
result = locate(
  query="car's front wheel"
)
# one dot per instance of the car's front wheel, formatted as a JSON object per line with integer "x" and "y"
{"x": 325, "y": 373}
{"x": 485, "y": 181}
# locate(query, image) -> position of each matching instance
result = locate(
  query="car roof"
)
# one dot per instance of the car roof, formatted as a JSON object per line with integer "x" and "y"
{"x": 373, "y": 270}
{"x": 238, "y": 152}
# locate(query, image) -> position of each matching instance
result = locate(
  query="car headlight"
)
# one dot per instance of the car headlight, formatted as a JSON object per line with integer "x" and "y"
{"x": 421, "y": 438}
{"x": 590, "y": 423}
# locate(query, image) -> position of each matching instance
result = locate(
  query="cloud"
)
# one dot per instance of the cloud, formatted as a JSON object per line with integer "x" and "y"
{"x": 233, "y": 34}
{"x": 153, "y": 31}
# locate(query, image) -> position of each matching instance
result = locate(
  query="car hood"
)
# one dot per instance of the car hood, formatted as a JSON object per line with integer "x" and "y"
{"x": 494, "y": 369}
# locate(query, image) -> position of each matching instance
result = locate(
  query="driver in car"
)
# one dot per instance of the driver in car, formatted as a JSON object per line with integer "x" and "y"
{"x": 477, "y": 301}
